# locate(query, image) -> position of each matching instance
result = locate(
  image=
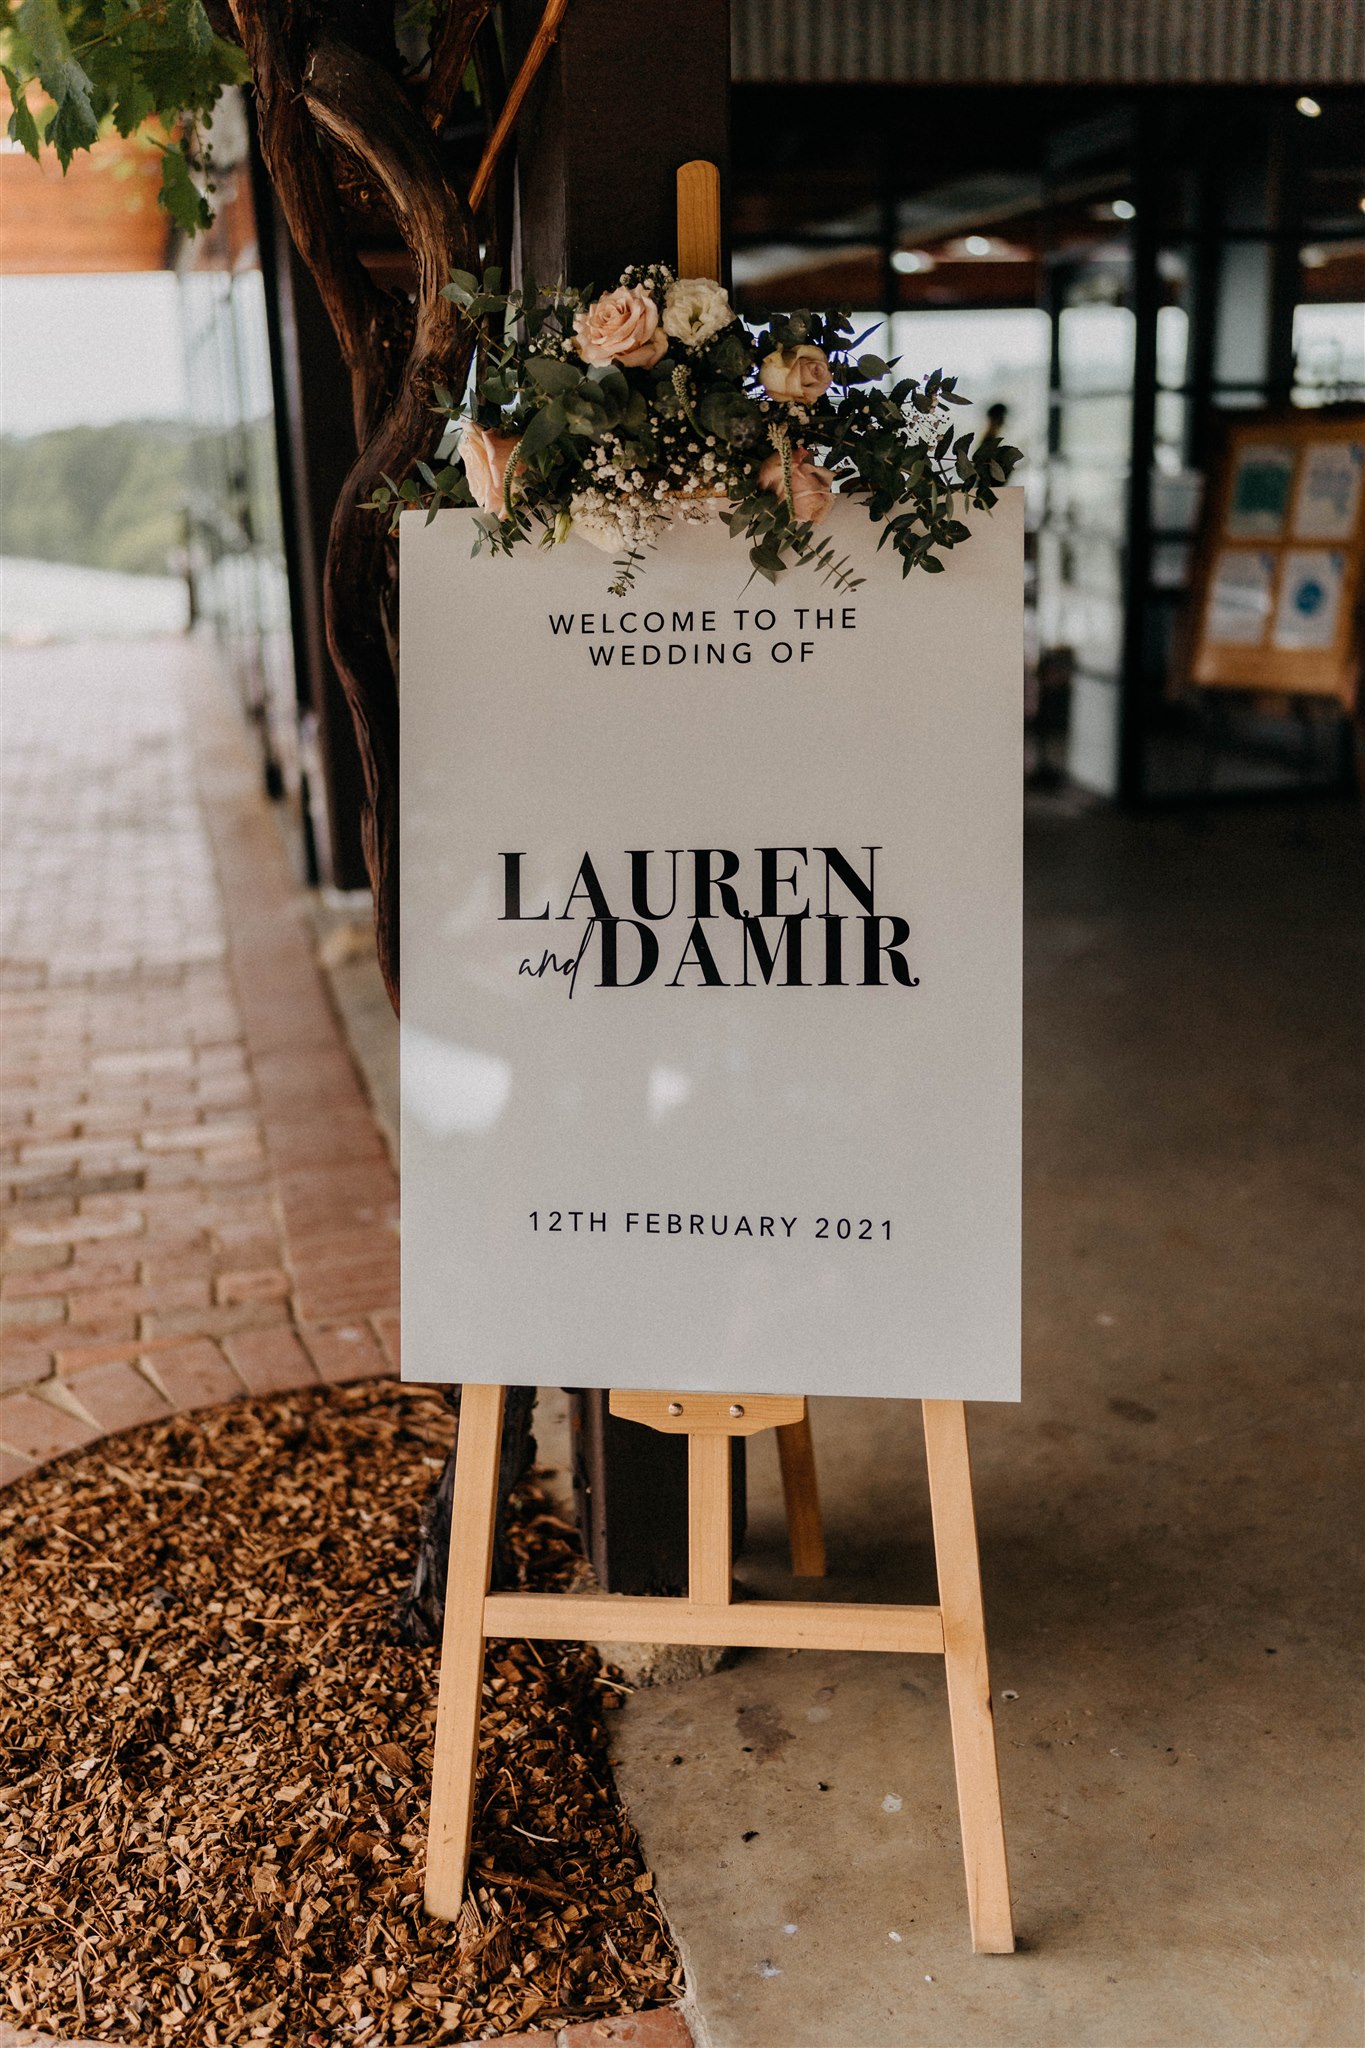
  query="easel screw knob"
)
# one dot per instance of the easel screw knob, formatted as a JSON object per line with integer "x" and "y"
{"x": 675, "y": 1407}
{"x": 736, "y": 1407}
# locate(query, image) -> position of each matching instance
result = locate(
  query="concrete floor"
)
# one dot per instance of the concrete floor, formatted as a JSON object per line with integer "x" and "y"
{"x": 1169, "y": 1523}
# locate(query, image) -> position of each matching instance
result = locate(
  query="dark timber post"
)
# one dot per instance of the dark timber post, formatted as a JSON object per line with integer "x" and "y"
{"x": 629, "y": 94}
{"x": 315, "y": 446}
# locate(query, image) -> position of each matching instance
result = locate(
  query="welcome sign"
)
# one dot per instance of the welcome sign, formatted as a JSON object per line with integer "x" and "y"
{"x": 711, "y": 967}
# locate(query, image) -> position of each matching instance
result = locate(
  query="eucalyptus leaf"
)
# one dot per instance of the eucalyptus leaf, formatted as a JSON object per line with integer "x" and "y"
{"x": 546, "y": 426}
{"x": 610, "y": 380}
{"x": 551, "y": 373}
{"x": 731, "y": 417}
{"x": 730, "y": 354}
{"x": 585, "y": 419}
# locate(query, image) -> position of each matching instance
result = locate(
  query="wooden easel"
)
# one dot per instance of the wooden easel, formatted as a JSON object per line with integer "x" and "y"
{"x": 953, "y": 1630}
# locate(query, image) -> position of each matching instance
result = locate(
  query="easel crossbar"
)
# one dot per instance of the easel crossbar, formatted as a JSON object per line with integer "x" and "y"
{"x": 748, "y": 1625}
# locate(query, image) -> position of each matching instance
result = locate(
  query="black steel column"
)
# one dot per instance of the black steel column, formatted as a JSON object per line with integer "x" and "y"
{"x": 1284, "y": 219}
{"x": 1146, "y": 243}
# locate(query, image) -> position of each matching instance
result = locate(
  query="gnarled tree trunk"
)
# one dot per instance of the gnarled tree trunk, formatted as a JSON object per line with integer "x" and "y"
{"x": 342, "y": 125}
{"x": 333, "y": 110}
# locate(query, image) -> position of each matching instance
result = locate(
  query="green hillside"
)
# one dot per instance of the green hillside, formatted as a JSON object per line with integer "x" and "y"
{"x": 106, "y": 497}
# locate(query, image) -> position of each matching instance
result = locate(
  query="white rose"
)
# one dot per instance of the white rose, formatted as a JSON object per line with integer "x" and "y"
{"x": 695, "y": 308}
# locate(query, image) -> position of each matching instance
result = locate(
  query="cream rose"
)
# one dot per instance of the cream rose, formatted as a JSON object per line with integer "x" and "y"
{"x": 695, "y": 308}
{"x": 811, "y": 485}
{"x": 485, "y": 456}
{"x": 800, "y": 375}
{"x": 621, "y": 327}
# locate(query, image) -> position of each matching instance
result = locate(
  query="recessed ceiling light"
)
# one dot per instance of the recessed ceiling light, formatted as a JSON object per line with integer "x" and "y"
{"x": 1123, "y": 209}
{"x": 978, "y": 245}
{"x": 1308, "y": 106}
{"x": 908, "y": 261}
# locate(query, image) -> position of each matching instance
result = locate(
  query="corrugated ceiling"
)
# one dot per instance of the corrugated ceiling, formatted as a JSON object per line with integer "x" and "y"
{"x": 1050, "y": 42}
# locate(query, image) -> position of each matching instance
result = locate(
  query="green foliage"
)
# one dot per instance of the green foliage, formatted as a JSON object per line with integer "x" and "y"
{"x": 179, "y": 194}
{"x": 124, "y": 63}
{"x": 73, "y": 124}
{"x": 106, "y": 497}
{"x": 617, "y": 447}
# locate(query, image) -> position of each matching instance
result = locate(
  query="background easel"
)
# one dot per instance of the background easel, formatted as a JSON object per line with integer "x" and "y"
{"x": 953, "y": 1629}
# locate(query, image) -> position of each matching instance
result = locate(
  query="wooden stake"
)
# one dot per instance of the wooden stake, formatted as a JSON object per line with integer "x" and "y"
{"x": 969, "y": 1685}
{"x": 473, "y": 1517}
{"x": 699, "y": 219}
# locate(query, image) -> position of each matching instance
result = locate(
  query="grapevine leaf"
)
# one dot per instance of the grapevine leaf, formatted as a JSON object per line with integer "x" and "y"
{"x": 73, "y": 123}
{"x": 179, "y": 194}
{"x": 187, "y": 20}
{"x": 21, "y": 128}
{"x": 135, "y": 104}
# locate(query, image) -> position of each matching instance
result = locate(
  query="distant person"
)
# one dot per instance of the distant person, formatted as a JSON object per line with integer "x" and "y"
{"x": 994, "y": 436}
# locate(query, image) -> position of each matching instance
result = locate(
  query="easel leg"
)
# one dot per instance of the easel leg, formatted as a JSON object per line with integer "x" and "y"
{"x": 969, "y": 1688}
{"x": 472, "y": 1515}
{"x": 709, "y": 1563}
{"x": 801, "y": 1497}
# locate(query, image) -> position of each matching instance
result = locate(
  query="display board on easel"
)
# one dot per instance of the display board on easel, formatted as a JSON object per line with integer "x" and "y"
{"x": 1278, "y": 573}
{"x": 711, "y": 998}
{"x": 711, "y": 1055}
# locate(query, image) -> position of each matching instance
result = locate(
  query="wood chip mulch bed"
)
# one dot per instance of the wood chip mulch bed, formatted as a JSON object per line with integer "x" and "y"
{"x": 215, "y": 1751}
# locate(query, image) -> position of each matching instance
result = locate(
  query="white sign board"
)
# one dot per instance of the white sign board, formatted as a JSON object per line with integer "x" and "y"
{"x": 711, "y": 967}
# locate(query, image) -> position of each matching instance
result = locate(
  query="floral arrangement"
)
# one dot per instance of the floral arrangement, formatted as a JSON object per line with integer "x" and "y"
{"x": 608, "y": 416}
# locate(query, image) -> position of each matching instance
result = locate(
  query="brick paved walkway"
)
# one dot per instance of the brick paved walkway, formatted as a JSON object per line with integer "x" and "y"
{"x": 198, "y": 1203}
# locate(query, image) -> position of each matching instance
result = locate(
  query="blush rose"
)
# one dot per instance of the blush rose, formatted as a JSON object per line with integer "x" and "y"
{"x": 799, "y": 375}
{"x": 811, "y": 485}
{"x": 621, "y": 327}
{"x": 485, "y": 456}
